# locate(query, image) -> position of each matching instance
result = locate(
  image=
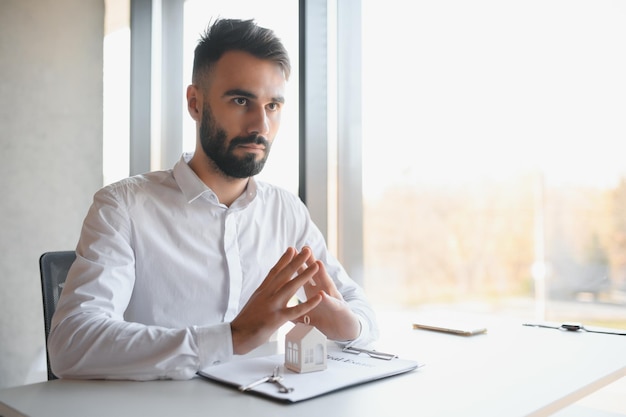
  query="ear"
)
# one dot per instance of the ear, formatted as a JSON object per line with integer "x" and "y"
{"x": 193, "y": 102}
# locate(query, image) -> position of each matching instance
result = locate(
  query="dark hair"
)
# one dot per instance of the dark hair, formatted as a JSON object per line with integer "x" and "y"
{"x": 238, "y": 35}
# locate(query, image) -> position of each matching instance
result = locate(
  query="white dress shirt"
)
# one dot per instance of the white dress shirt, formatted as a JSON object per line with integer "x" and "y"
{"x": 163, "y": 267}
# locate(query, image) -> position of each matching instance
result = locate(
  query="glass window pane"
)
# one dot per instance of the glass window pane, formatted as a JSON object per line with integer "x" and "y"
{"x": 116, "y": 87}
{"x": 493, "y": 155}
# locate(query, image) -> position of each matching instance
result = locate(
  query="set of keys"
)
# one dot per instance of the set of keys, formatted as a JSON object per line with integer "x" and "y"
{"x": 275, "y": 378}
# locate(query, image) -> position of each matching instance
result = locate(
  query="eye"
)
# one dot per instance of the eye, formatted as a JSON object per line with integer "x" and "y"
{"x": 240, "y": 101}
{"x": 273, "y": 106}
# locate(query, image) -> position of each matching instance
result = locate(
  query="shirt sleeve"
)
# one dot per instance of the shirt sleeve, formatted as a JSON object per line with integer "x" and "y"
{"x": 89, "y": 337}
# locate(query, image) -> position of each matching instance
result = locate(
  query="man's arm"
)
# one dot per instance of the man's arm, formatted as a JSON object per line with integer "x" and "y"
{"x": 344, "y": 303}
{"x": 339, "y": 320}
{"x": 90, "y": 337}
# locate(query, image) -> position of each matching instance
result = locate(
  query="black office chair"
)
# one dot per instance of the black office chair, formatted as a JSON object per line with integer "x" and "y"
{"x": 53, "y": 267}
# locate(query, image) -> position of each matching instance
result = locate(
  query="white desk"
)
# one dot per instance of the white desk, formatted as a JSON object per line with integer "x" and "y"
{"x": 510, "y": 371}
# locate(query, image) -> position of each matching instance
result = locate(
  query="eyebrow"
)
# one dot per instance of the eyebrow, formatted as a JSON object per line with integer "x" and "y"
{"x": 243, "y": 93}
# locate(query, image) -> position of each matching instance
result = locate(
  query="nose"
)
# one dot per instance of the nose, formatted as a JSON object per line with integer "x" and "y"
{"x": 259, "y": 122}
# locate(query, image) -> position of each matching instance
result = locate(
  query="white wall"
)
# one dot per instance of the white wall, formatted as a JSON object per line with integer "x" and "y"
{"x": 50, "y": 157}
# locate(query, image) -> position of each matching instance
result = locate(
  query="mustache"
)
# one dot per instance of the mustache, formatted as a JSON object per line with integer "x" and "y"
{"x": 249, "y": 140}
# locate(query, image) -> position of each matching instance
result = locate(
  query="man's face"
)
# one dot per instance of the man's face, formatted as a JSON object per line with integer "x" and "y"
{"x": 241, "y": 113}
{"x": 222, "y": 151}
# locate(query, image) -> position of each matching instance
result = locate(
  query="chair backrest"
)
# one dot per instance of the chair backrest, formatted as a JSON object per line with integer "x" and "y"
{"x": 53, "y": 267}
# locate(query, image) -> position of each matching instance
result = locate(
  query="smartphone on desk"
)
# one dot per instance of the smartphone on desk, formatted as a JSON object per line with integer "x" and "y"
{"x": 459, "y": 327}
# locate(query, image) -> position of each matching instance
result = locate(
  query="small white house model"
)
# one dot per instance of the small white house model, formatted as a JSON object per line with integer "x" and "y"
{"x": 305, "y": 349}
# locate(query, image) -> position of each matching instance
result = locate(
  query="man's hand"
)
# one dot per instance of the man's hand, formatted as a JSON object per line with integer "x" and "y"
{"x": 333, "y": 315}
{"x": 267, "y": 310}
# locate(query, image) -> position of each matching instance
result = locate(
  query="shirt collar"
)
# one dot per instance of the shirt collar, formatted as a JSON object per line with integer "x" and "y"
{"x": 193, "y": 187}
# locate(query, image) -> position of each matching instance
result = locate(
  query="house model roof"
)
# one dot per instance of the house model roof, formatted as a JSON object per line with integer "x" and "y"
{"x": 300, "y": 332}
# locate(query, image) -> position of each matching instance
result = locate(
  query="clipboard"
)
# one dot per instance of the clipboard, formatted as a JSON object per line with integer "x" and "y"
{"x": 344, "y": 369}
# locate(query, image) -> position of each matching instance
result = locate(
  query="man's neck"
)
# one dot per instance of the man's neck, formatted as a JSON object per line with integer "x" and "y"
{"x": 227, "y": 189}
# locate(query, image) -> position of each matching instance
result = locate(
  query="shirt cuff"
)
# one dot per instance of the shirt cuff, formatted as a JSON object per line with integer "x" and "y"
{"x": 214, "y": 343}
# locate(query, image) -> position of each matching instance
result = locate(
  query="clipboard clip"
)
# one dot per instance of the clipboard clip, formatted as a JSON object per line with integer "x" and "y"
{"x": 372, "y": 353}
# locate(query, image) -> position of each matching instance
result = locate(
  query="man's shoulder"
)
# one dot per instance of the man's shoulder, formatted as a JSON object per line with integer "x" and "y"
{"x": 142, "y": 183}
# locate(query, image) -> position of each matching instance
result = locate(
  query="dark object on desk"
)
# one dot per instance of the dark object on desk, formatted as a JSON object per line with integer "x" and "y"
{"x": 577, "y": 327}
{"x": 53, "y": 267}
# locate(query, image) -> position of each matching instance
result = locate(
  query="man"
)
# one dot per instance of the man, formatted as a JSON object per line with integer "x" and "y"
{"x": 181, "y": 269}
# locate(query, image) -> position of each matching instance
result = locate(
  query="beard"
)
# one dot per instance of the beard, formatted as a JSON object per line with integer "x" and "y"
{"x": 215, "y": 145}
